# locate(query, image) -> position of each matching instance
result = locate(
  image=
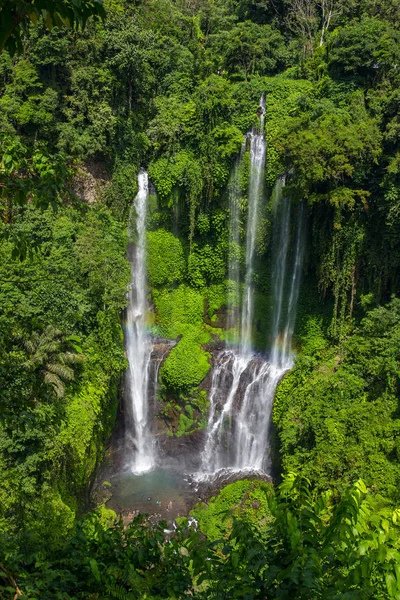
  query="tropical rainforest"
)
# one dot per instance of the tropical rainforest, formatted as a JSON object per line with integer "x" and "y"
{"x": 91, "y": 92}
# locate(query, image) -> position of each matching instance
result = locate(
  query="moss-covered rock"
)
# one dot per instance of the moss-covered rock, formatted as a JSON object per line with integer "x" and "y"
{"x": 244, "y": 499}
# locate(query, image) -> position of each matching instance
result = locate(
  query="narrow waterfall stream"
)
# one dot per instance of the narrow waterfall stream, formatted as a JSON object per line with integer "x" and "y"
{"x": 138, "y": 344}
{"x": 244, "y": 383}
{"x": 284, "y": 320}
{"x": 258, "y": 147}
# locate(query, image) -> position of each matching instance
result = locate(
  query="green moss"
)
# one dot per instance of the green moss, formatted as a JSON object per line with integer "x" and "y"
{"x": 165, "y": 259}
{"x": 178, "y": 308}
{"x": 187, "y": 364}
{"x": 194, "y": 413}
{"x": 246, "y": 500}
{"x": 216, "y": 296}
{"x": 107, "y": 516}
{"x": 180, "y": 312}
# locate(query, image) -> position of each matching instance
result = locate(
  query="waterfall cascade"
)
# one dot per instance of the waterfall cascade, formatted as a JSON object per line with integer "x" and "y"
{"x": 138, "y": 344}
{"x": 243, "y": 383}
{"x": 258, "y": 148}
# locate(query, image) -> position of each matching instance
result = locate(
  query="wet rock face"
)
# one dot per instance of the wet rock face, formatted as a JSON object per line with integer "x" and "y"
{"x": 210, "y": 486}
{"x": 181, "y": 453}
{"x": 185, "y": 451}
{"x": 226, "y": 383}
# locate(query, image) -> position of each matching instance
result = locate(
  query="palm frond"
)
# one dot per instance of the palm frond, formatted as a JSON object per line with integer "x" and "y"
{"x": 55, "y": 382}
{"x": 62, "y": 371}
{"x": 29, "y": 346}
{"x": 50, "y": 346}
{"x": 70, "y": 358}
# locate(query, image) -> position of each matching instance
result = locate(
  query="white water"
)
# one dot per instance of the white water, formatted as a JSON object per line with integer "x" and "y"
{"x": 284, "y": 320}
{"x": 243, "y": 384}
{"x": 234, "y": 368}
{"x": 258, "y": 149}
{"x": 254, "y": 418}
{"x": 138, "y": 344}
{"x": 235, "y": 252}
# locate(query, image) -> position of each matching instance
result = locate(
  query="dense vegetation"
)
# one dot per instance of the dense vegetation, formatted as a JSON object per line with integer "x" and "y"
{"x": 297, "y": 546}
{"x": 173, "y": 86}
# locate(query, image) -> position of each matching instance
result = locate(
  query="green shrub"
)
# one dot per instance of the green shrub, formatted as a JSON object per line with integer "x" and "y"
{"x": 178, "y": 308}
{"x": 187, "y": 364}
{"x": 244, "y": 499}
{"x": 206, "y": 264}
{"x": 165, "y": 259}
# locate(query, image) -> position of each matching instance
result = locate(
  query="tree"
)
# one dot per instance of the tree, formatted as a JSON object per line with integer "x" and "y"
{"x": 329, "y": 10}
{"x": 48, "y": 357}
{"x": 302, "y": 19}
{"x": 250, "y": 49}
{"x": 367, "y": 50}
{"x": 16, "y": 15}
{"x": 307, "y": 17}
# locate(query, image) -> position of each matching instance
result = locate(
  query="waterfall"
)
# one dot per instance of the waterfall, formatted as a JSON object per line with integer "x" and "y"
{"x": 235, "y": 365}
{"x": 258, "y": 148}
{"x": 281, "y": 352}
{"x": 243, "y": 383}
{"x": 234, "y": 252}
{"x": 138, "y": 343}
{"x": 254, "y": 418}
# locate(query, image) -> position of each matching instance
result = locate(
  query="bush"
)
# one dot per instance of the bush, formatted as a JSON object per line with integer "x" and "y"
{"x": 165, "y": 259}
{"x": 178, "y": 308}
{"x": 187, "y": 363}
{"x": 245, "y": 499}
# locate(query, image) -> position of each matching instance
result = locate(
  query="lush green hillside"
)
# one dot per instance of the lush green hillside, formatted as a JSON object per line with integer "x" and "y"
{"x": 174, "y": 86}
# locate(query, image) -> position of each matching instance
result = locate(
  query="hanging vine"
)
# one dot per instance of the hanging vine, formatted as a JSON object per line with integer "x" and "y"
{"x": 338, "y": 270}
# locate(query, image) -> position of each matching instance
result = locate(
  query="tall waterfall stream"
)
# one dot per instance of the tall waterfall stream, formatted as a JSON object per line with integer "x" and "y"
{"x": 244, "y": 383}
{"x": 138, "y": 345}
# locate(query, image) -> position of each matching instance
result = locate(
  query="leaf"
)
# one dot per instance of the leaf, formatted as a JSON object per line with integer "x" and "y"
{"x": 95, "y": 569}
{"x": 391, "y": 585}
{"x": 235, "y": 559}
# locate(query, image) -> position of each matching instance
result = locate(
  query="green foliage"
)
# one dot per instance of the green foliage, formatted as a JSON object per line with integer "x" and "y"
{"x": 206, "y": 264}
{"x": 27, "y": 172}
{"x": 165, "y": 258}
{"x": 337, "y": 411}
{"x": 175, "y": 86}
{"x": 313, "y": 340}
{"x": 312, "y": 547}
{"x": 286, "y": 99}
{"x": 245, "y": 500}
{"x": 216, "y": 296}
{"x": 177, "y": 308}
{"x": 194, "y": 413}
{"x": 367, "y": 49}
{"x": 119, "y": 194}
{"x": 14, "y": 18}
{"x": 182, "y": 170}
{"x": 187, "y": 364}
{"x": 249, "y": 49}
{"x": 309, "y": 546}
{"x": 61, "y": 356}
{"x": 335, "y": 144}
{"x": 180, "y": 313}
